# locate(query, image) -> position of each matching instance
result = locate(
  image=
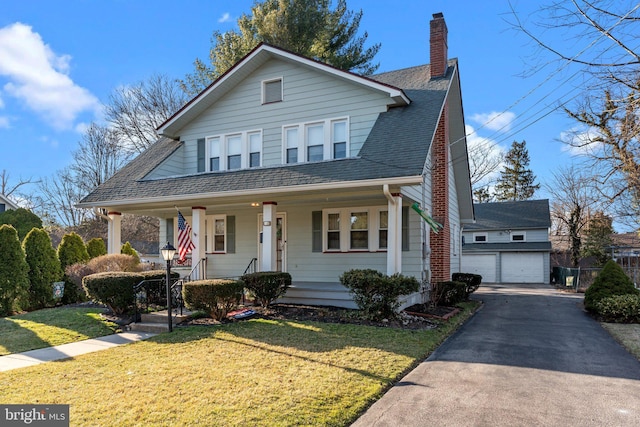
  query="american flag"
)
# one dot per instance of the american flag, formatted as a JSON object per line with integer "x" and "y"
{"x": 185, "y": 245}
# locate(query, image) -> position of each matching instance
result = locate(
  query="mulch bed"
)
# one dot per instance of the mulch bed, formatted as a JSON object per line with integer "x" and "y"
{"x": 421, "y": 317}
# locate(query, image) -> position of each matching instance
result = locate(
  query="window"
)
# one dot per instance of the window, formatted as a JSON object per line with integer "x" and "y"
{"x": 216, "y": 233}
{"x": 272, "y": 91}
{"x": 314, "y": 142}
{"x": 383, "y": 229}
{"x": 255, "y": 149}
{"x": 359, "y": 231}
{"x": 333, "y": 232}
{"x": 291, "y": 144}
{"x": 234, "y": 151}
{"x": 339, "y": 139}
{"x": 520, "y": 236}
{"x": 479, "y": 237}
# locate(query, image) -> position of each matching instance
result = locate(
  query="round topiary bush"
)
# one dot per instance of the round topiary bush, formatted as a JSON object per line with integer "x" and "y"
{"x": 611, "y": 281}
{"x": 215, "y": 296}
{"x": 267, "y": 286}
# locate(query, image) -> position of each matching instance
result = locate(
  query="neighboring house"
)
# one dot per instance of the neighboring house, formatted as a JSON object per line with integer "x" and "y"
{"x": 311, "y": 170}
{"x": 6, "y": 204}
{"x": 509, "y": 243}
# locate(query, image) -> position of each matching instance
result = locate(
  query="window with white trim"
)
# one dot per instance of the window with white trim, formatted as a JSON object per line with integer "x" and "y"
{"x": 518, "y": 236}
{"x": 355, "y": 229}
{"x": 480, "y": 237}
{"x": 316, "y": 141}
{"x": 216, "y": 233}
{"x": 272, "y": 91}
{"x": 239, "y": 150}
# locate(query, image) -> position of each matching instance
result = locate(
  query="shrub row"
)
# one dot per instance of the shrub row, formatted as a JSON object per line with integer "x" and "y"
{"x": 472, "y": 282}
{"x": 620, "y": 308}
{"x": 376, "y": 294}
{"x": 216, "y": 297}
{"x": 267, "y": 286}
{"x": 448, "y": 293}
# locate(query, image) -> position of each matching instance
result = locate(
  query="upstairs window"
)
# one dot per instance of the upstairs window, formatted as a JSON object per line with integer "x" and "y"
{"x": 325, "y": 140}
{"x": 519, "y": 236}
{"x": 272, "y": 91}
{"x": 234, "y": 151}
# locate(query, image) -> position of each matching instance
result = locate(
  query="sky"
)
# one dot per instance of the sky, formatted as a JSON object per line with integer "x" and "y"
{"x": 60, "y": 60}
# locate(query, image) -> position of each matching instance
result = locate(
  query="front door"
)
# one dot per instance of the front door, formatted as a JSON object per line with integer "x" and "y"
{"x": 281, "y": 241}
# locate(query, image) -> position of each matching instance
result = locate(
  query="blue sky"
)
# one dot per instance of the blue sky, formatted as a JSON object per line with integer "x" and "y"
{"x": 59, "y": 60}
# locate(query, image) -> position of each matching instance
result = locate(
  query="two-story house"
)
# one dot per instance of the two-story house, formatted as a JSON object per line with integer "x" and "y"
{"x": 310, "y": 170}
{"x": 6, "y": 204}
{"x": 509, "y": 242}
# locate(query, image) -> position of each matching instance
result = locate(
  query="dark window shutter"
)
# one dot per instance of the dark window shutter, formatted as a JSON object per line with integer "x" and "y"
{"x": 273, "y": 91}
{"x": 169, "y": 233}
{"x": 405, "y": 228}
{"x": 316, "y": 231}
{"x": 231, "y": 234}
{"x": 201, "y": 151}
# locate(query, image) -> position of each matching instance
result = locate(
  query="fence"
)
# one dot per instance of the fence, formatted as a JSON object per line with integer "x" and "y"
{"x": 579, "y": 279}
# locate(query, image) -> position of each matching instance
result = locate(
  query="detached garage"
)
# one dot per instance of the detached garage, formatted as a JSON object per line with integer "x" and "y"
{"x": 509, "y": 243}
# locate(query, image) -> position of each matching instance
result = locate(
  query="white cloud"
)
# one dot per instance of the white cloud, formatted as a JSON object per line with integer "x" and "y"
{"x": 226, "y": 17}
{"x": 495, "y": 121}
{"x": 1, "y": 103}
{"x": 39, "y": 77}
{"x": 4, "y": 122}
{"x": 580, "y": 141}
{"x": 485, "y": 155}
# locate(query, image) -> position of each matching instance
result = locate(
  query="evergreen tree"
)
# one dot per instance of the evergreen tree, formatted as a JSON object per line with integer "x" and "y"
{"x": 127, "y": 249}
{"x": 96, "y": 247}
{"x": 72, "y": 250}
{"x": 306, "y": 27}
{"x": 23, "y": 221}
{"x": 44, "y": 268}
{"x": 516, "y": 181}
{"x": 14, "y": 279}
{"x": 598, "y": 239}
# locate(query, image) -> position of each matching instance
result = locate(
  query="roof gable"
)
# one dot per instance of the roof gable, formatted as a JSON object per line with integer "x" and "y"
{"x": 8, "y": 203}
{"x": 511, "y": 215}
{"x": 251, "y": 62}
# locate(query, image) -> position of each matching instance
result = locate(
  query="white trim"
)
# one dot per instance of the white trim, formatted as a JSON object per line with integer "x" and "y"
{"x": 485, "y": 235}
{"x": 263, "y": 85}
{"x": 211, "y": 229}
{"x": 373, "y": 228}
{"x": 303, "y": 140}
{"x": 245, "y": 149}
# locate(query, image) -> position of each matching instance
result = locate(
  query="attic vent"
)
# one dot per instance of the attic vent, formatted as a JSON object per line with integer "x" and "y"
{"x": 272, "y": 91}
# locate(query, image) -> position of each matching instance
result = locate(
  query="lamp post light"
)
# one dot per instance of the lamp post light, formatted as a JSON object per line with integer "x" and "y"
{"x": 168, "y": 251}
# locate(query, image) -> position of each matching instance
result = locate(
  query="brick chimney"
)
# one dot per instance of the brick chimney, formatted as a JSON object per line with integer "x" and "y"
{"x": 438, "y": 45}
{"x": 440, "y": 242}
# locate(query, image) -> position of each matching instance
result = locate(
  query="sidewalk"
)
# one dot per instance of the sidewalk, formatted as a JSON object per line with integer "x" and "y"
{"x": 65, "y": 351}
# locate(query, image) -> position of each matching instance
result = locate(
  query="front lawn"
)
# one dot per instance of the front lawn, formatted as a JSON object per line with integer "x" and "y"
{"x": 626, "y": 334}
{"x": 256, "y": 372}
{"x": 52, "y": 326}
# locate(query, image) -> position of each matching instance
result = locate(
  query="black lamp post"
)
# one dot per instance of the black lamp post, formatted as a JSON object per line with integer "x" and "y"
{"x": 168, "y": 251}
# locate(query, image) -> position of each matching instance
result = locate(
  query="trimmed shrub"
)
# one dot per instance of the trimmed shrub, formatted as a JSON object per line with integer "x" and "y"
{"x": 14, "y": 279}
{"x": 44, "y": 268}
{"x": 611, "y": 281}
{"x": 96, "y": 247}
{"x": 23, "y": 220}
{"x": 114, "y": 262}
{"x": 448, "y": 293}
{"x": 471, "y": 281}
{"x": 113, "y": 289}
{"x": 216, "y": 297}
{"x": 267, "y": 286}
{"x": 620, "y": 308}
{"x": 376, "y": 294}
{"x": 127, "y": 249}
{"x": 71, "y": 250}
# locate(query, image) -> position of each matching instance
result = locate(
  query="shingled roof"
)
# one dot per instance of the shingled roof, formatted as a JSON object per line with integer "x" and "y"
{"x": 511, "y": 215}
{"x": 409, "y": 129}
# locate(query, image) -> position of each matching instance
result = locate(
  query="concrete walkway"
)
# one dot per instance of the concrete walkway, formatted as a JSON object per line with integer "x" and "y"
{"x": 65, "y": 351}
{"x": 530, "y": 356}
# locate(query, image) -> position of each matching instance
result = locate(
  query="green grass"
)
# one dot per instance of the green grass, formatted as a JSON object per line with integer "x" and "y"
{"x": 49, "y": 327}
{"x": 626, "y": 334}
{"x": 256, "y": 372}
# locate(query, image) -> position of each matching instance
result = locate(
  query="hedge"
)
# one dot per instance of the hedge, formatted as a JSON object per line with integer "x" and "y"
{"x": 448, "y": 293}
{"x": 620, "y": 309}
{"x": 267, "y": 286}
{"x": 216, "y": 296}
{"x": 471, "y": 281}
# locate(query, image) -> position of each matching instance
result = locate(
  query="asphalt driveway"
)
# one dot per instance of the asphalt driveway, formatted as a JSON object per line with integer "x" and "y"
{"x": 530, "y": 356}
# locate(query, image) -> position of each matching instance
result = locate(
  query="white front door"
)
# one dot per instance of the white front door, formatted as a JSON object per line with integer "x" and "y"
{"x": 281, "y": 241}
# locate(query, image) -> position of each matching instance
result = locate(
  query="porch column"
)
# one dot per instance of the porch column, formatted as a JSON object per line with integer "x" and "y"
{"x": 114, "y": 232}
{"x": 269, "y": 239}
{"x": 198, "y": 214}
{"x": 394, "y": 234}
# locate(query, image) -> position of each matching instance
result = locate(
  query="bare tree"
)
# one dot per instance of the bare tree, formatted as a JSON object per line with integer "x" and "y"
{"x": 135, "y": 112}
{"x": 484, "y": 160}
{"x": 573, "y": 197}
{"x": 9, "y": 189}
{"x": 60, "y": 194}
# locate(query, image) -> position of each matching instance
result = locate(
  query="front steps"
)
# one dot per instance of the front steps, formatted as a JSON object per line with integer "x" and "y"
{"x": 157, "y": 321}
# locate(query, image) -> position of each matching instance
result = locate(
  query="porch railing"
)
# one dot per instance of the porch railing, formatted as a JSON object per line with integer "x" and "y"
{"x": 151, "y": 295}
{"x": 251, "y": 268}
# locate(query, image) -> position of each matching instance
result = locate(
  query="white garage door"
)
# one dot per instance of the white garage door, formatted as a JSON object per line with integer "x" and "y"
{"x": 484, "y": 265}
{"x": 522, "y": 268}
